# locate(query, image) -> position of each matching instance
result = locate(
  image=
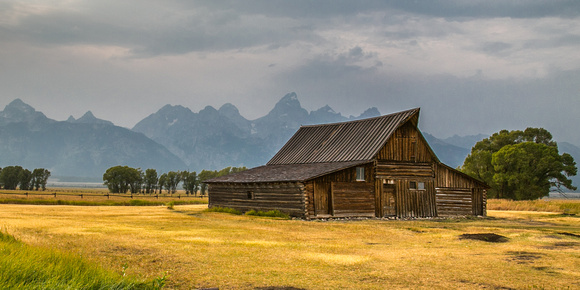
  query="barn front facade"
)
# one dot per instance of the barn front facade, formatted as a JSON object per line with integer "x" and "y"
{"x": 376, "y": 167}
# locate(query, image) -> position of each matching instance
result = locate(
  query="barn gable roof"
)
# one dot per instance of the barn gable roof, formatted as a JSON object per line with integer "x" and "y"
{"x": 358, "y": 140}
{"x": 285, "y": 172}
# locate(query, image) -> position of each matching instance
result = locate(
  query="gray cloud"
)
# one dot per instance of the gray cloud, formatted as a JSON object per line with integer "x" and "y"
{"x": 473, "y": 66}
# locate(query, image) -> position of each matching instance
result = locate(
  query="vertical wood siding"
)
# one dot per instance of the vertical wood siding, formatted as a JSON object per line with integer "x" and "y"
{"x": 320, "y": 195}
{"x": 415, "y": 203}
{"x": 406, "y": 145}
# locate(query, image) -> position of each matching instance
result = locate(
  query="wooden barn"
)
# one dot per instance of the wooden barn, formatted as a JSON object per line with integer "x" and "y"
{"x": 376, "y": 167}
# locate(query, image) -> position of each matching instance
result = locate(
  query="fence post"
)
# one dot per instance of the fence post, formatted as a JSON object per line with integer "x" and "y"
{"x": 27, "y": 195}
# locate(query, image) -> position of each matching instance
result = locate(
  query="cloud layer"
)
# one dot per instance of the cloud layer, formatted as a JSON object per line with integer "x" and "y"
{"x": 472, "y": 66}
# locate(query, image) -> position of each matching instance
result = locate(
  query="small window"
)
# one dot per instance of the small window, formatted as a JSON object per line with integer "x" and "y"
{"x": 250, "y": 195}
{"x": 421, "y": 185}
{"x": 416, "y": 185}
{"x": 360, "y": 174}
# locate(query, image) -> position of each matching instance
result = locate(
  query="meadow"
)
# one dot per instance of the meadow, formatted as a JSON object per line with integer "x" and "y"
{"x": 195, "y": 248}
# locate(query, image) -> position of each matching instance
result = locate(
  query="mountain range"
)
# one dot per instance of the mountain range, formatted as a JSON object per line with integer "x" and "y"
{"x": 175, "y": 138}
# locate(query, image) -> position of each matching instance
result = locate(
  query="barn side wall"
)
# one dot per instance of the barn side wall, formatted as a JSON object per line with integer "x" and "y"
{"x": 339, "y": 194}
{"x": 287, "y": 197}
{"x": 458, "y": 194}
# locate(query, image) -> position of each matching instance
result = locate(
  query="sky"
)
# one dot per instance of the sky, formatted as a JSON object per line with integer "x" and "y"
{"x": 471, "y": 66}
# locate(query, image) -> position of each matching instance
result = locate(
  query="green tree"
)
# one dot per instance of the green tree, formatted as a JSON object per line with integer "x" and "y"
{"x": 151, "y": 180}
{"x": 115, "y": 178}
{"x": 190, "y": 182}
{"x": 520, "y": 164}
{"x": 163, "y": 183}
{"x": 39, "y": 178}
{"x": 24, "y": 179}
{"x": 134, "y": 178}
{"x": 173, "y": 179}
{"x": 9, "y": 177}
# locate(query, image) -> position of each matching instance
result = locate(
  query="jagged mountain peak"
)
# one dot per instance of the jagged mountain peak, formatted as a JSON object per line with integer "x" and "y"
{"x": 19, "y": 111}
{"x": 19, "y": 106}
{"x": 369, "y": 113}
{"x": 89, "y": 118}
{"x": 289, "y": 101}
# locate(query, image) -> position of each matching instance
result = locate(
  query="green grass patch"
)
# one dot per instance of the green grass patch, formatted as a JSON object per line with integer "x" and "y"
{"x": 223, "y": 209}
{"x": 26, "y": 267}
{"x": 271, "y": 213}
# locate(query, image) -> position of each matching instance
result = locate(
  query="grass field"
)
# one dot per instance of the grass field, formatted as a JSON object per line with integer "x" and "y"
{"x": 95, "y": 196}
{"x": 210, "y": 249}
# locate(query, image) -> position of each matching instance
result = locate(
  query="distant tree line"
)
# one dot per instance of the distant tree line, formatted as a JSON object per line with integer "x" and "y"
{"x": 123, "y": 179}
{"x": 12, "y": 177}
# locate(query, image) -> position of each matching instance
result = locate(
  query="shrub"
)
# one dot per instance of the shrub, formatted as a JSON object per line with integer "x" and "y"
{"x": 224, "y": 209}
{"x": 271, "y": 213}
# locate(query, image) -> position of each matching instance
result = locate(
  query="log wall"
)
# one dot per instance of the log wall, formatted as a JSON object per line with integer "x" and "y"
{"x": 352, "y": 199}
{"x": 286, "y": 197}
{"x": 398, "y": 170}
{"x": 454, "y": 201}
{"x": 458, "y": 194}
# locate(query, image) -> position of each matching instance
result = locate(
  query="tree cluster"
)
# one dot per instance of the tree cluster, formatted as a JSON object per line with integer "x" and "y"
{"x": 120, "y": 179}
{"x": 520, "y": 165}
{"x": 12, "y": 177}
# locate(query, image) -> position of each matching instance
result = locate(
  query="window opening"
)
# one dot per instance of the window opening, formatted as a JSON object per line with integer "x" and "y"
{"x": 418, "y": 185}
{"x": 250, "y": 195}
{"x": 360, "y": 174}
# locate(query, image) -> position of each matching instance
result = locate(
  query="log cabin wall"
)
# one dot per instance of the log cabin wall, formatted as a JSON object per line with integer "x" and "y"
{"x": 458, "y": 194}
{"x": 322, "y": 202}
{"x": 287, "y": 197}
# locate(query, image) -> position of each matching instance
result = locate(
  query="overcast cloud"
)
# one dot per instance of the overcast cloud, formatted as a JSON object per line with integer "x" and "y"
{"x": 472, "y": 66}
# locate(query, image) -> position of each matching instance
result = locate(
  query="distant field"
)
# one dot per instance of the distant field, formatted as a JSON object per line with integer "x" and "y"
{"x": 565, "y": 206}
{"x": 94, "y": 196}
{"x": 518, "y": 250}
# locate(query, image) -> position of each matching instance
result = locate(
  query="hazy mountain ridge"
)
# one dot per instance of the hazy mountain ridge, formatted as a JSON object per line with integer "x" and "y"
{"x": 213, "y": 139}
{"x": 175, "y": 138}
{"x": 69, "y": 148}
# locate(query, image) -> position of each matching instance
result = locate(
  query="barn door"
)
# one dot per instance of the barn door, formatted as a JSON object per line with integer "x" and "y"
{"x": 388, "y": 200}
{"x": 321, "y": 198}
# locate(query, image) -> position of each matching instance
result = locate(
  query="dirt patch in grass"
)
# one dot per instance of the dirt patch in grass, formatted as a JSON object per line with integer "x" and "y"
{"x": 486, "y": 237}
{"x": 279, "y": 288}
{"x": 522, "y": 257}
{"x": 569, "y": 234}
{"x": 560, "y": 245}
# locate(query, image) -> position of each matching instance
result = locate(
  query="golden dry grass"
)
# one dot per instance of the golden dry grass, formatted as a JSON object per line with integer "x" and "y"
{"x": 566, "y": 206}
{"x": 93, "y": 195}
{"x": 202, "y": 249}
